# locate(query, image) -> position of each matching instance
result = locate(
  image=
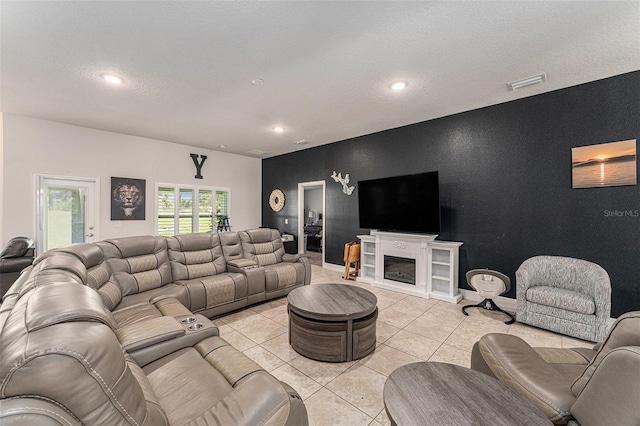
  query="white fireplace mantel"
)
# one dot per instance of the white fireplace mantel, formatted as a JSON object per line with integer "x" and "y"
{"x": 436, "y": 263}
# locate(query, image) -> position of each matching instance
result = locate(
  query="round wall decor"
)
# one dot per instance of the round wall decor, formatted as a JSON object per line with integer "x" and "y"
{"x": 276, "y": 200}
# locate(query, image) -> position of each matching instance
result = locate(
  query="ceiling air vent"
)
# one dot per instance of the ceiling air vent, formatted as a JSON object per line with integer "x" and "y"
{"x": 302, "y": 142}
{"x": 257, "y": 152}
{"x": 519, "y": 84}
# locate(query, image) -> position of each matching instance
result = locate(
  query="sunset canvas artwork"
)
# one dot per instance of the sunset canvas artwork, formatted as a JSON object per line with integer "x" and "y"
{"x": 605, "y": 164}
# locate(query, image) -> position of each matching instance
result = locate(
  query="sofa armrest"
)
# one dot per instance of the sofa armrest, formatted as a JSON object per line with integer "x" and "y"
{"x": 516, "y": 364}
{"x": 255, "y": 274}
{"x": 34, "y": 410}
{"x": 242, "y": 263}
{"x": 141, "y": 334}
{"x": 14, "y": 264}
{"x": 611, "y": 394}
{"x": 291, "y": 258}
{"x": 194, "y": 328}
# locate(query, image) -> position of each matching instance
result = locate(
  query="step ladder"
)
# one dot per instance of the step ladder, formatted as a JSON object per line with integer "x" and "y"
{"x": 223, "y": 223}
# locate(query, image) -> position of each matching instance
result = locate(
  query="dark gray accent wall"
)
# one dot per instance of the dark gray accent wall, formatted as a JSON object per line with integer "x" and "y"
{"x": 505, "y": 182}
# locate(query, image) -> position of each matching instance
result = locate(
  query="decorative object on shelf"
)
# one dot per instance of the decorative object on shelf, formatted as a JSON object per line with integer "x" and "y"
{"x": 276, "y": 200}
{"x": 127, "y": 198}
{"x": 344, "y": 181}
{"x": 605, "y": 164}
{"x": 198, "y": 164}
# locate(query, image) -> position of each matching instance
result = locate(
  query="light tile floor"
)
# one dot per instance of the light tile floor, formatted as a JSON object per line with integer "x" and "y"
{"x": 409, "y": 329}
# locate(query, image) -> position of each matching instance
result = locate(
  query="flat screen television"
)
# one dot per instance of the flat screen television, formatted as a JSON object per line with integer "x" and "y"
{"x": 409, "y": 203}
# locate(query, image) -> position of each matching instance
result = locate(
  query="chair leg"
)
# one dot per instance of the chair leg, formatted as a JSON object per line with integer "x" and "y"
{"x": 489, "y": 305}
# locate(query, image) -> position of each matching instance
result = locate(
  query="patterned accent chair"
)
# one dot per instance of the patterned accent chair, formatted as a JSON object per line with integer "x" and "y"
{"x": 565, "y": 295}
{"x": 283, "y": 272}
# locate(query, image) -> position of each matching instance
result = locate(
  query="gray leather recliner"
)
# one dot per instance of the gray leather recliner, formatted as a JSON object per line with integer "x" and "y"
{"x": 597, "y": 386}
{"x": 16, "y": 255}
{"x": 283, "y": 272}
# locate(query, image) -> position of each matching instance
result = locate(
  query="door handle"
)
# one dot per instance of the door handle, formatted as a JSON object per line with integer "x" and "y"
{"x": 90, "y": 234}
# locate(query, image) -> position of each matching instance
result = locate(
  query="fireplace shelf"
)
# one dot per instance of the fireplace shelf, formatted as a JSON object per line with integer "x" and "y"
{"x": 436, "y": 264}
{"x": 368, "y": 258}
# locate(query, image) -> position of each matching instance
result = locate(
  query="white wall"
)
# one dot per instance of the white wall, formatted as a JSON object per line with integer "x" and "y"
{"x": 1, "y": 173}
{"x": 313, "y": 200}
{"x": 33, "y": 146}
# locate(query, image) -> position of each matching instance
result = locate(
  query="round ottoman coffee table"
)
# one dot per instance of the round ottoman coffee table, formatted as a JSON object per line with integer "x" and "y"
{"x": 332, "y": 322}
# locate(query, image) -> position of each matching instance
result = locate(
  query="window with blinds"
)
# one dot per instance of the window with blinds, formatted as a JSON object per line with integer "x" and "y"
{"x": 184, "y": 209}
{"x": 222, "y": 209}
{"x": 205, "y": 211}
{"x": 166, "y": 211}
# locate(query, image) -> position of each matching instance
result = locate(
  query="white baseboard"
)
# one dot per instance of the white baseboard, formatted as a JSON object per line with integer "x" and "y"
{"x": 505, "y": 303}
{"x": 333, "y": 267}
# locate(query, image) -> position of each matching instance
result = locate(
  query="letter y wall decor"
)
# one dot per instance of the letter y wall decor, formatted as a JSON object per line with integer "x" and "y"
{"x": 198, "y": 164}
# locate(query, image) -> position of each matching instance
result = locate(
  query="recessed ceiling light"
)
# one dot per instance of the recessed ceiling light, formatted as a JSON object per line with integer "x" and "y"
{"x": 302, "y": 142}
{"x": 223, "y": 146}
{"x": 110, "y": 78}
{"x": 257, "y": 82}
{"x": 399, "y": 85}
{"x": 278, "y": 129}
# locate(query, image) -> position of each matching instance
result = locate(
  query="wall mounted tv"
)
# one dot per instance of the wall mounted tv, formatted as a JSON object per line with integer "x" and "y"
{"x": 409, "y": 203}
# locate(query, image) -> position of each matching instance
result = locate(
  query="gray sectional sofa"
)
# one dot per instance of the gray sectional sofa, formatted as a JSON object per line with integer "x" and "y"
{"x": 118, "y": 332}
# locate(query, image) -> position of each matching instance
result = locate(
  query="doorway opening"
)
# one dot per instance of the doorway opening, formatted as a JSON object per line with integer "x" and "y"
{"x": 67, "y": 211}
{"x": 312, "y": 222}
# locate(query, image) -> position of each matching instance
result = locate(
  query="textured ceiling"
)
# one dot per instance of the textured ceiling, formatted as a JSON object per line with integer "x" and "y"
{"x": 327, "y": 66}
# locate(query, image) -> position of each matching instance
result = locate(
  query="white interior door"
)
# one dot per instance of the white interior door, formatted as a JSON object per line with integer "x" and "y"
{"x": 67, "y": 212}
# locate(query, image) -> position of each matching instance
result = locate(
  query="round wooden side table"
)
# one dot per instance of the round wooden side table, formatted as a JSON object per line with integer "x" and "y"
{"x": 425, "y": 393}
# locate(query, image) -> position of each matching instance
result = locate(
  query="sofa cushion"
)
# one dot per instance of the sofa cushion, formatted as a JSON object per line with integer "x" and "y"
{"x": 56, "y": 261}
{"x": 168, "y": 291}
{"x": 231, "y": 245}
{"x": 195, "y": 256}
{"x": 208, "y": 292}
{"x": 16, "y": 247}
{"x": 139, "y": 263}
{"x": 143, "y": 311}
{"x": 14, "y": 264}
{"x": 264, "y": 246}
{"x": 283, "y": 275}
{"x": 97, "y": 275}
{"x": 214, "y": 383}
{"x": 561, "y": 298}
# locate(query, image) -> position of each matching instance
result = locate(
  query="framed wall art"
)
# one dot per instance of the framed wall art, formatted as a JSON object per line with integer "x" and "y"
{"x": 127, "y": 198}
{"x": 605, "y": 164}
